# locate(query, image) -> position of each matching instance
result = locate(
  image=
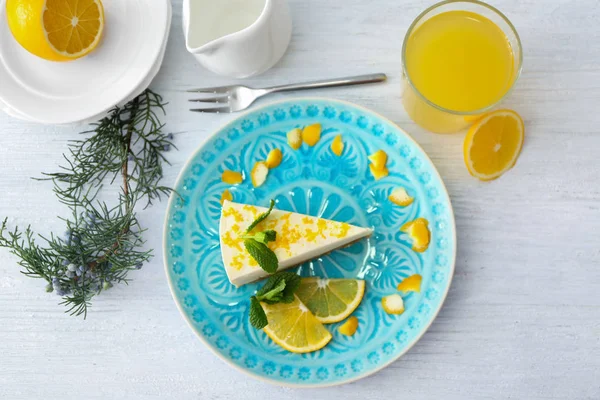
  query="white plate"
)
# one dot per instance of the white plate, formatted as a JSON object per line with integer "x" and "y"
{"x": 136, "y": 92}
{"x": 55, "y": 93}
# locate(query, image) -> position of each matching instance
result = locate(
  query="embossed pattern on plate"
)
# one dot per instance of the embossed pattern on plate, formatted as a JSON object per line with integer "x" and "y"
{"x": 312, "y": 180}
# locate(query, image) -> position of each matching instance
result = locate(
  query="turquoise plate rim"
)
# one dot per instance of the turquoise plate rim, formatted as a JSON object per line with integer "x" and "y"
{"x": 248, "y": 372}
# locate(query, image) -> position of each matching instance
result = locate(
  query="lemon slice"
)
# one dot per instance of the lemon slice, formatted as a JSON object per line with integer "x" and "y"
{"x": 493, "y": 144}
{"x": 331, "y": 300}
{"x": 294, "y": 327}
{"x": 56, "y": 30}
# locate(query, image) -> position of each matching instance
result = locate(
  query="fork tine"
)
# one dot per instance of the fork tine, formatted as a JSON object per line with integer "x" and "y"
{"x": 214, "y": 100}
{"x": 211, "y": 90}
{"x": 212, "y": 110}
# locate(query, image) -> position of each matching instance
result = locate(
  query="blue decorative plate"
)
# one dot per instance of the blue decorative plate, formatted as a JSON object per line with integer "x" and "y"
{"x": 312, "y": 181}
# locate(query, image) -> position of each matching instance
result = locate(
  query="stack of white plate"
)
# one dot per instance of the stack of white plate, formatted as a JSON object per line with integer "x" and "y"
{"x": 127, "y": 59}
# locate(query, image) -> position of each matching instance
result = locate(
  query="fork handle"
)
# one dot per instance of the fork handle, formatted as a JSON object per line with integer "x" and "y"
{"x": 347, "y": 81}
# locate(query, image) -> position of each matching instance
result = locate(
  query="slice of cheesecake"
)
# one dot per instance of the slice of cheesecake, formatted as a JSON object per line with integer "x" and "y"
{"x": 299, "y": 238}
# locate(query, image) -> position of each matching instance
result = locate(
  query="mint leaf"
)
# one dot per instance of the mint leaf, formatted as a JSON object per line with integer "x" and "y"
{"x": 274, "y": 295}
{"x": 261, "y": 217}
{"x": 264, "y": 256}
{"x": 274, "y": 281}
{"x": 258, "y": 318}
{"x": 292, "y": 282}
{"x": 270, "y": 235}
{"x": 265, "y": 237}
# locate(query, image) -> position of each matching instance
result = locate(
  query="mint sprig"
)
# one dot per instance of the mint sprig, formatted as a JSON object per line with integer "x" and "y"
{"x": 256, "y": 244}
{"x": 279, "y": 288}
{"x": 273, "y": 295}
{"x": 261, "y": 217}
{"x": 272, "y": 292}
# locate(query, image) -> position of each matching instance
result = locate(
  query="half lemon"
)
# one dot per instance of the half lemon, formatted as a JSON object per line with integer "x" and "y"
{"x": 493, "y": 144}
{"x": 56, "y": 30}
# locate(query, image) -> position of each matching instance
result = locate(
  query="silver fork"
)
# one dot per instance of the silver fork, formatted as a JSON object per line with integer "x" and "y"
{"x": 237, "y": 97}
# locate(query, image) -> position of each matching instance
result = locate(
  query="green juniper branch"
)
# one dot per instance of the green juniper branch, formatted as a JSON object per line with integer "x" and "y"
{"x": 102, "y": 243}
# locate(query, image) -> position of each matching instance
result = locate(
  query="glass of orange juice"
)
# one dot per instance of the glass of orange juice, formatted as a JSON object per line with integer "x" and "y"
{"x": 460, "y": 59}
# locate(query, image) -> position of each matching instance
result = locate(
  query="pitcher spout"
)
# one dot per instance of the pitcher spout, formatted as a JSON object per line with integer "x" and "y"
{"x": 237, "y": 38}
{"x": 211, "y": 24}
{"x": 207, "y": 48}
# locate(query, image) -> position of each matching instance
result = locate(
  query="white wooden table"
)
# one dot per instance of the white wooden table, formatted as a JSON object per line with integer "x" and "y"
{"x": 522, "y": 319}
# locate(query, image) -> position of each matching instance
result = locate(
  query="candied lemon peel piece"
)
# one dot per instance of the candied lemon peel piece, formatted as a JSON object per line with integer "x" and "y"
{"x": 378, "y": 173}
{"x": 274, "y": 158}
{"x": 400, "y": 197}
{"x": 259, "y": 173}
{"x": 349, "y": 327}
{"x": 378, "y": 159}
{"x": 418, "y": 231}
{"x": 337, "y": 146}
{"x": 411, "y": 284}
{"x": 378, "y": 164}
{"x": 294, "y": 138}
{"x": 393, "y": 304}
{"x": 226, "y": 196}
{"x": 232, "y": 177}
{"x": 311, "y": 134}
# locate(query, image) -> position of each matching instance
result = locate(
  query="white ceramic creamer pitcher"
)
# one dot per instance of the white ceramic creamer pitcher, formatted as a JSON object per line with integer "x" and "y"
{"x": 237, "y": 38}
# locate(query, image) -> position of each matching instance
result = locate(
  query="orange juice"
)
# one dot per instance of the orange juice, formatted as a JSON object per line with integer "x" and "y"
{"x": 460, "y": 61}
